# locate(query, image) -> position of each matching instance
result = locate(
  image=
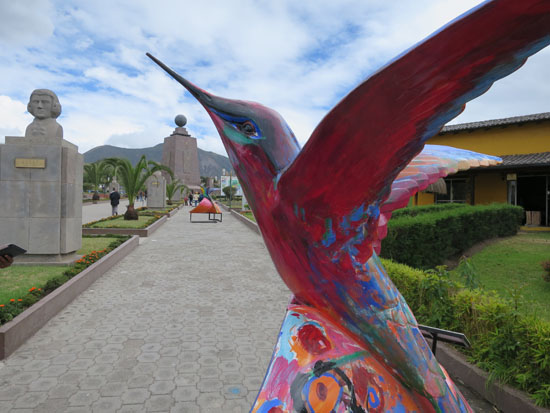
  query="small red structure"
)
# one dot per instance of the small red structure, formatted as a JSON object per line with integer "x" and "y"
{"x": 206, "y": 206}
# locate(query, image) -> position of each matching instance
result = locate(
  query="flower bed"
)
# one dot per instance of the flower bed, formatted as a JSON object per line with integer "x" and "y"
{"x": 144, "y": 227}
{"x": 118, "y": 221}
{"x": 55, "y": 295}
{"x": 15, "y": 306}
{"x": 169, "y": 211}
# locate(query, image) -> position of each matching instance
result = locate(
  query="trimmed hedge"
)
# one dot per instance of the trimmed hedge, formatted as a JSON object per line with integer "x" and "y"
{"x": 425, "y": 240}
{"x": 425, "y": 209}
{"x": 513, "y": 348}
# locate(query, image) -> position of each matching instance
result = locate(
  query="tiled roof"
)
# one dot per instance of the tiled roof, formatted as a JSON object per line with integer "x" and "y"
{"x": 516, "y": 120}
{"x": 525, "y": 160}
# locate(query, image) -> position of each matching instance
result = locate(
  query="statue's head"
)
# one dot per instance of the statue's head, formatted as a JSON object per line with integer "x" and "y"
{"x": 44, "y": 104}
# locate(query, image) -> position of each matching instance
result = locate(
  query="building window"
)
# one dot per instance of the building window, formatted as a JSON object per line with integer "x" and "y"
{"x": 457, "y": 191}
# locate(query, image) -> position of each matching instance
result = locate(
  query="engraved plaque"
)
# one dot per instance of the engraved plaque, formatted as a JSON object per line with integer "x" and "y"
{"x": 37, "y": 163}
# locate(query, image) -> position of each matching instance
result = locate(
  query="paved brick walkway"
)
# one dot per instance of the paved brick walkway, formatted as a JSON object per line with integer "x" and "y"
{"x": 185, "y": 323}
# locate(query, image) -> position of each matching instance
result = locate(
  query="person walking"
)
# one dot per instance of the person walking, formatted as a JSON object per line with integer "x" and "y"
{"x": 115, "y": 199}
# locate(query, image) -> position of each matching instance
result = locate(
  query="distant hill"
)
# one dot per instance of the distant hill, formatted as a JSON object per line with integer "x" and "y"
{"x": 210, "y": 163}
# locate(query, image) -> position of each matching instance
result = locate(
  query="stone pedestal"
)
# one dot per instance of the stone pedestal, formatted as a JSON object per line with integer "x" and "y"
{"x": 156, "y": 191}
{"x": 41, "y": 197}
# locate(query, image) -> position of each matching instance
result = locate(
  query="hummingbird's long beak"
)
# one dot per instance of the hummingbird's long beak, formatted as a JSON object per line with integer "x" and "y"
{"x": 199, "y": 94}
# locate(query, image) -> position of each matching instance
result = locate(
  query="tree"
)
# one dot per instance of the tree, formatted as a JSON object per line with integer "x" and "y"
{"x": 172, "y": 188}
{"x": 133, "y": 178}
{"x": 97, "y": 174}
{"x": 229, "y": 191}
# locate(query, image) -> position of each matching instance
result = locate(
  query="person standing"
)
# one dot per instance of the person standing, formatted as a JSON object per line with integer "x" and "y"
{"x": 115, "y": 199}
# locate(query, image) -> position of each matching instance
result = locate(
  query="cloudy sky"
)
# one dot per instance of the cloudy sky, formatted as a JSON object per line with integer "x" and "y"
{"x": 298, "y": 57}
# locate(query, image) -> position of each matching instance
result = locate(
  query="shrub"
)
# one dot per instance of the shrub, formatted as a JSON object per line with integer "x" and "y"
{"x": 426, "y": 209}
{"x": 426, "y": 239}
{"x": 513, "y": 348}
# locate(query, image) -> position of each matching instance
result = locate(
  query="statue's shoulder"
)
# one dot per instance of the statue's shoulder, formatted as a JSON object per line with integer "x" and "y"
{"x": 44, "y": 128}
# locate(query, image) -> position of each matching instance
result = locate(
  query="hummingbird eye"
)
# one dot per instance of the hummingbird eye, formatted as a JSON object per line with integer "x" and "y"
{"x": 248, "y": 128}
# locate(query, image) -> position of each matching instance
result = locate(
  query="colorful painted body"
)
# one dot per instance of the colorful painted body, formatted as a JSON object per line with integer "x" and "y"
{"x": 317, "y": 367}
{"x": 322, "y": 210}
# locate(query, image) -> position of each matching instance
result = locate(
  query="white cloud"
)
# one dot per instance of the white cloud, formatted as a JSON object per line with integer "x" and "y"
{"x": 25, "y": 22}
{"x": 300, "y": 58}
{"x": 13, "y": 117}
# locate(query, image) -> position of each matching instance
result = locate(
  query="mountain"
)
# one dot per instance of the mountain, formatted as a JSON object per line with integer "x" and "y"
{"x": 210, "y": 163}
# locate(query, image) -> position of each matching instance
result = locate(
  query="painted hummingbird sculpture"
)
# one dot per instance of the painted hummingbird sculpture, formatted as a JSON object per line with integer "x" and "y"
{"x": 349, "y": 342}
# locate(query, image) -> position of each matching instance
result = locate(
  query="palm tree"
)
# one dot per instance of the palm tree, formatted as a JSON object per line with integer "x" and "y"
{"x": 133, "y": 178}
{"x": 172, "y": 188}
{"x": 96, "y": 174}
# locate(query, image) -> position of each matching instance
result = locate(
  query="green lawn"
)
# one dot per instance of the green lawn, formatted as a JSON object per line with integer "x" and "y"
{"x": 119, "y": 222}
{"x": 234, "y": 203}
{"x": 249, "y": 215}
{"x": 512, "y": 265}
{"x": 151, "y": 212}
{"x": 15, "y": 281}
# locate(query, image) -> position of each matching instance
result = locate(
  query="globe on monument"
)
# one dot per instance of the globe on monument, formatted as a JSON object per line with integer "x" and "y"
{"x": 180, "y": 120}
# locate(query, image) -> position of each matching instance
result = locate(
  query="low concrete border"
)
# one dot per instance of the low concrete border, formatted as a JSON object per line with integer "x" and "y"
{"x": 143, "y": 232}
{"x": 248, "y": 222}
{"x": 22, "y": 327}
{"x": 505, "y": 398}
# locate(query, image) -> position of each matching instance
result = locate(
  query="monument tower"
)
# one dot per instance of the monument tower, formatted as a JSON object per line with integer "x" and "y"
{"x": 180, "y": 154}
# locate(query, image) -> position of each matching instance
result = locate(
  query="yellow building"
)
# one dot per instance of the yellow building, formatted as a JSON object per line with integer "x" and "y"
{"x": 523, "y": 178}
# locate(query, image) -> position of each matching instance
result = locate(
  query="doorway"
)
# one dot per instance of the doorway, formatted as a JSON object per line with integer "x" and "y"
{"x": 533, "y": 195}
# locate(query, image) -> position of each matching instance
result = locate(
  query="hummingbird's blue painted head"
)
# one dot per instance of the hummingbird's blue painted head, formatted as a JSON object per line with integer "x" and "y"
{"x": 248, "y": 129}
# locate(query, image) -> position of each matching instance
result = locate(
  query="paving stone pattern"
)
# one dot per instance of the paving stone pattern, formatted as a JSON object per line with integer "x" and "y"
{"x": 185, "y": 323}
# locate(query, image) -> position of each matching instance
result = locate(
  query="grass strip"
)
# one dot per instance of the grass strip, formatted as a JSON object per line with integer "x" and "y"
{"x": 120, "y": 222}
{"x": 512, "y": 267}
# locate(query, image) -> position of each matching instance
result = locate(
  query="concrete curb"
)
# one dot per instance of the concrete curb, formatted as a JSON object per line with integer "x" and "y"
{"x": 505, "y": 398}
{"x": 143, "y": 232}
{"x": 248, "y": 222}
{"x": 22, "y": 327}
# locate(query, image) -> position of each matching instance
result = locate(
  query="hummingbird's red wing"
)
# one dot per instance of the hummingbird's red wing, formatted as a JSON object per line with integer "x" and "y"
{"x": 433, "y": 163}
{"x": 359, "y": 148}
